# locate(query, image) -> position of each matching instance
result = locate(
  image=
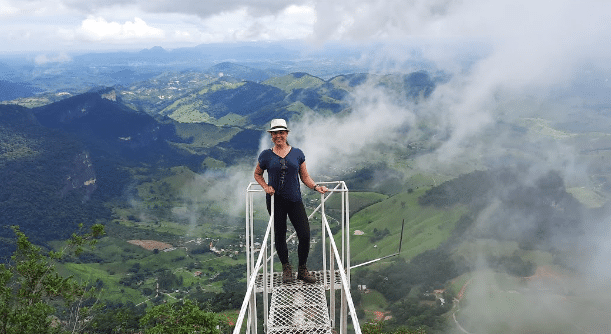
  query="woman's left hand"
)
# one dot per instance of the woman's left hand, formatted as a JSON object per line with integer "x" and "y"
{"x": 322, "y": 189}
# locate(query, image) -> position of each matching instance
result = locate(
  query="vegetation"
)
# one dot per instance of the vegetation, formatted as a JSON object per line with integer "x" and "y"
{"x": 34, "y": 164}
{"x": 35, "y": 298}
{"x": 379, "y": 327}
{"x": 180, "y": 318}
{"x": 30, "y": 286}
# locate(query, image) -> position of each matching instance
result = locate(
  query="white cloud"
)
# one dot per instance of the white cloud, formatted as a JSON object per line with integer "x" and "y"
{"x": 195, "y": 21}
{"x": 7, "y": 9}
{"x": 179, "y": 29}
{"x": 297, "y": 19}
{"x": 59, "y": 58}
{"x": 98, "y": 29}
{"x": 294, "y": 22}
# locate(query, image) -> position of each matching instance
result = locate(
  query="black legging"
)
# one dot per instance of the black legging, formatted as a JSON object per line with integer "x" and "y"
{"x": 297, "y": 214}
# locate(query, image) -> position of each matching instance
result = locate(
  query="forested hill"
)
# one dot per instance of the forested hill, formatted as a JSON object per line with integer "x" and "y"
{"x": 107, "y": 126}
{"x": 62, "y": 163}
{"x": 532, "y": 215}
{"x": 36, "y": 164}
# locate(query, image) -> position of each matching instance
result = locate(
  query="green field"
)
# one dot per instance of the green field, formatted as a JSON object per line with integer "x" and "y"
{"x": 425, "y": 227}
{"x": 373, "y": 303}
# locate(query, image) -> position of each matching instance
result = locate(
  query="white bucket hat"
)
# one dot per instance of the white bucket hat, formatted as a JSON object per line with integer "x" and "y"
{"x": 278, "y": 124}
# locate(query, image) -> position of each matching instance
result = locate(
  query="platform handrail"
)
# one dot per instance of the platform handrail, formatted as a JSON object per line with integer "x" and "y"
{"x": 253, "y": 277}
{"x": 344, "y": 279}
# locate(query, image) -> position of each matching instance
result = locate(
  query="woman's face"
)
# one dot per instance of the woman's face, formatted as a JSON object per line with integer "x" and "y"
{"x": 279, "y": 137}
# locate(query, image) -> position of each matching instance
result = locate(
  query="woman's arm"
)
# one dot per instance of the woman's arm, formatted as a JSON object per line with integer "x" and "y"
{"x": 261, "y": 181}
{"x": 307, "y": 180}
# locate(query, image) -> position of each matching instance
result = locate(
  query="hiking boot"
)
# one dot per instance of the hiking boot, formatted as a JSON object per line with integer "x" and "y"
{"x": 287, "y": 273}
{"x": 304, "y": 275}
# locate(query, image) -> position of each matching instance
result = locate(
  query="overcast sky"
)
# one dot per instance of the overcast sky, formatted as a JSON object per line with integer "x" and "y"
{"x": 70, "y": 25}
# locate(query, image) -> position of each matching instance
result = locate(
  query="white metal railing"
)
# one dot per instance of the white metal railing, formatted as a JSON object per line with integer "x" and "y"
{"x": 263, "y": 267}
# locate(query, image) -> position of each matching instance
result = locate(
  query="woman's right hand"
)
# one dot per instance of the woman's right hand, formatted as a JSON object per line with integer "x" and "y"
{"x": 269, "y": 190}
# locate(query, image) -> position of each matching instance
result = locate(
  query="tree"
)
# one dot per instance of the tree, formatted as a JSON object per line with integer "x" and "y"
{"x": 180, "y": 318}
{"x": 30, "y": 285}
{"x": 372, "y": 327}
{"x": 117, "y": 318}
{"x": 377, "y": 327}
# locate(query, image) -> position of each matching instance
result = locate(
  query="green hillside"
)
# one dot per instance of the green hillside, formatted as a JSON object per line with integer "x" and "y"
{"x": 425, "y": 227}
{"x": 290, "y": 82}
{"x": 189, "y": 98}
{"x": 193, "y": 107}
{"x": 200, "y": 138}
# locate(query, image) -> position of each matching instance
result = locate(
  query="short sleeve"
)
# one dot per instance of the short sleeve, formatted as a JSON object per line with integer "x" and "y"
{"x": 264, "y": 160}
{"x": 301, "y": 157}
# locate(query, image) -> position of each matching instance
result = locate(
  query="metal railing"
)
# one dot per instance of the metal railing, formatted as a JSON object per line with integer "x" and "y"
{"x": 263, "y": 268}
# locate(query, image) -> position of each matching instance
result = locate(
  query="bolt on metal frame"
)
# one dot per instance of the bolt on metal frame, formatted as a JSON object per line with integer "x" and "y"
{"x": 261, "y": 276}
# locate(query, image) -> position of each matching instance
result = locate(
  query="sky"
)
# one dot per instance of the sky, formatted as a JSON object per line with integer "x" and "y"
{"x": 75, "y": 25}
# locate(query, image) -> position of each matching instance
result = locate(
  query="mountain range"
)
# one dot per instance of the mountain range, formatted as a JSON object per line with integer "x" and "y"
{"x": 87, "y": 143}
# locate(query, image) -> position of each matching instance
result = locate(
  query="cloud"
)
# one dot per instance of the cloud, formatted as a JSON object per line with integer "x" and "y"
{"x": 535, "y": 26}
{"x": 110, "y": 26}
{"x": 293, "y": 22}
{"x": 59, "y": 58}
{"x": 203, "y": 9}
{"x": 530, "y": 48}
{"x": 535, "y": 42}
{"x": 7, "y": 10}
{"x": 98, "y": 29}
{"x": 341, "y": 143}
{"x": 36, "y": 8}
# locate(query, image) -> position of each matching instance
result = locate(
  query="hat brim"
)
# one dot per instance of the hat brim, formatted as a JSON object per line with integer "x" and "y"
{"x": 278, "y": 129}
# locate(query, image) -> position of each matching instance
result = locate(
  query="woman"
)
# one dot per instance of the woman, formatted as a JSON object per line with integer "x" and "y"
{"x": 285, "y": 165}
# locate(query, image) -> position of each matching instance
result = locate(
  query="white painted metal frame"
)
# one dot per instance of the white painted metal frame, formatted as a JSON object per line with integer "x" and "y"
{"x": 261, "y": 274}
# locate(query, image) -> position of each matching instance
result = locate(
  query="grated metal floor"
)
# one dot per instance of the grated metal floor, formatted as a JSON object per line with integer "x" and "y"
{"x": 277, "y": 280}
{"x": 299, "y": 307}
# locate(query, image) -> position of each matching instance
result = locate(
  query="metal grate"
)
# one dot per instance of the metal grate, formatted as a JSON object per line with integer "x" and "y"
{"x": 277, "y": 280}
{"x": 299, "y": 308}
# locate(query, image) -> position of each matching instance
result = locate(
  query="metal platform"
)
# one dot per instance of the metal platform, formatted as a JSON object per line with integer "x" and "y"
{"x": 299, "y": 308}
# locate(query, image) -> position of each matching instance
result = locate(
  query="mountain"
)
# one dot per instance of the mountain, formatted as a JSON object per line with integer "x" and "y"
{"x": 241, "y": 72}
{"x": 228, "y": 101}
{"x": 77, "y": 73}
{"x": 48, "y": 185}
{"x": 14, "y": 90}
{"x": 313, "y": 92}
{"x": 97, "y": 118}
{"x": 106, "y": 125}
{"x": 60, "y": 163}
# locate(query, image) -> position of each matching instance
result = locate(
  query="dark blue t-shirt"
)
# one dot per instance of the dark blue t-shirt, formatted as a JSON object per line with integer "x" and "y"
{"x": 283, "y": 173}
